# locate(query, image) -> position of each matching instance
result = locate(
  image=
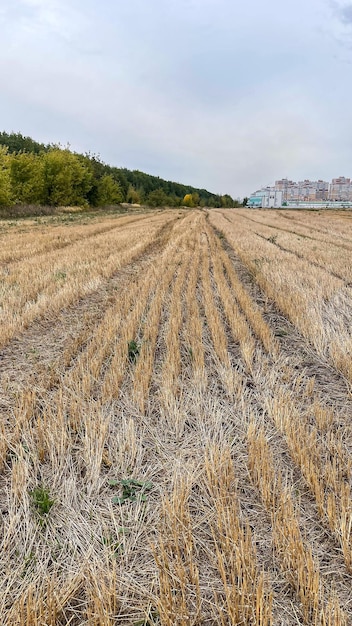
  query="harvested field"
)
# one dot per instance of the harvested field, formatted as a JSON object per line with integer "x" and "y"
{"x": 176, "y": 438}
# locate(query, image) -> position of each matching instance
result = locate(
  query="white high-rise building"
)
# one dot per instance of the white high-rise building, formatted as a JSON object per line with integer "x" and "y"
{"x": 340, "y": 189}
{"x": 305, "y": 190}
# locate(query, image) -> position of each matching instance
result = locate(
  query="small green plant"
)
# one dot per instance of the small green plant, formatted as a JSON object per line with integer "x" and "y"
{"x": 151, "y": 619}
{"x": 60, "y": 275}
{"x": 32, "y": 351}
{"x": 281, "y": 332}
{"x": 133, "y": 351}
{"x": 115, "y": 546}
{"x": 132, "y": 490}
{"x": 190, "y": 353}
{"x": 42, "y": 502}
{"x": 28, "y": 561}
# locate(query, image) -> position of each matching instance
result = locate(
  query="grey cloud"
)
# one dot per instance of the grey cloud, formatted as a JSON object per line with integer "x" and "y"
{"x": 343, "y": 12}
{"x": 346, "y": 14}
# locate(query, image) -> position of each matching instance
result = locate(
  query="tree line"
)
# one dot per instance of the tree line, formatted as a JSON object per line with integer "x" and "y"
{"x": 51, "y": 175}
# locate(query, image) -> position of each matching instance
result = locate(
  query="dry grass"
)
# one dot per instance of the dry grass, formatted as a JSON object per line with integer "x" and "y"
{"x": 41, "y": 283}
{"x": 294, "y": 554}
{"x": 310, "y": 293}
{"x": 164, "y": 463}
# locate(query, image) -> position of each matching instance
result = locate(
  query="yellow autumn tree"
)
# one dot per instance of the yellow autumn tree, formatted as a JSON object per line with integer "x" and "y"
{"x": 188, "y": 200}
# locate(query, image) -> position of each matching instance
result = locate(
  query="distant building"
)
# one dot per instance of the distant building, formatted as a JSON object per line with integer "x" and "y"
{"x": 272, "y": 199}
{"x": 318, "y": 204}
{"x": 255, "y": 201}
{"x": 268, "y": 198}
{"x": 287, "y": 192}
{"x": 305, "y": 190}
{"x": 322, "y": 190}
{"x": 340, "y": 189}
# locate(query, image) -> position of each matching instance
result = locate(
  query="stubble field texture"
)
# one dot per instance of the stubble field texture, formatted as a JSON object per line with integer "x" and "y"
{"x": 176, "y": 419}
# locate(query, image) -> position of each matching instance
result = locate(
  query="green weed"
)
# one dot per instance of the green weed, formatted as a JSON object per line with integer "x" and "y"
{"x": 29, "y": 560}
{"x": 110, "y": 542}
{"x": 152, "y": 618}
{"x": 132, "y": 490}
{"x": 60, "y": 275}
{"x": 281, "y": 332}
{"x": 42, "y": 502}
{"x": 133, "y": 351}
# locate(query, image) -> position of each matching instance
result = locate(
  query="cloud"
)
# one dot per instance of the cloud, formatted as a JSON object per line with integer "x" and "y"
{"x": 343, "y": 12}
{"x": 44, "y": 12}
{"x": 30, "y": 24}
{"x": 340, "y": 29}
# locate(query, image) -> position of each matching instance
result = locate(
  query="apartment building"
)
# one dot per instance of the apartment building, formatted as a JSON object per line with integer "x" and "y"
{"x": 340, "y": 189}
{"x": 304, "y": 190}
{"x": 287, "y": 192}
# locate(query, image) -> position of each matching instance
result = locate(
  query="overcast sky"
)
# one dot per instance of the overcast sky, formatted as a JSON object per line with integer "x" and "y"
{"x": 223, "y": 94}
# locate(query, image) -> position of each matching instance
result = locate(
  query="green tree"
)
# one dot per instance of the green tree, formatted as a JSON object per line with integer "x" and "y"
{"x": 5, "y": 178}
{"x": 109, "y": 191}
{"x": 215, "y": 201}
{"x": 16, "y": 143}
{"x": 121, "y": 179}
{"x": 75, "y": 179}
{"x": 66, "y": 179}
{"x": 175, "y": 200}
{"x": 157, "y": 197}
{"x": 133, "y": 196}
{"x": 26, "y": 178}
{"x": 195, "y": 198}
{"x": 226, "y": 201}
